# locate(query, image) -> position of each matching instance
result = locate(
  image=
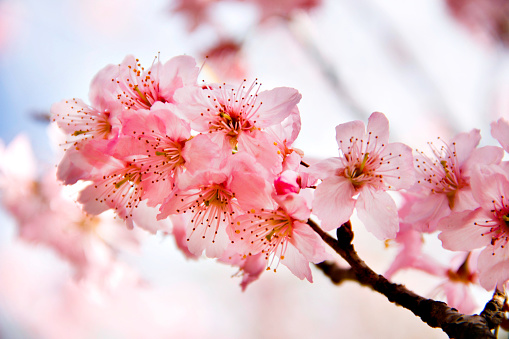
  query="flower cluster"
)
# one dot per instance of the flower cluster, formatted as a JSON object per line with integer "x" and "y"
{"x": 217, "y": 161}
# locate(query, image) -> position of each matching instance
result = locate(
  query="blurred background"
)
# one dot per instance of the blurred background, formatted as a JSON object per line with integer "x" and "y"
{"x": 434, "y": 67}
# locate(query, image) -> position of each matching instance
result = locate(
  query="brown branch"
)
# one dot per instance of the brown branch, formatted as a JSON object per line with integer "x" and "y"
{"x": 493, "y": 311}
{"x": 336, "y": 274}
{"x": 434, "y": 313}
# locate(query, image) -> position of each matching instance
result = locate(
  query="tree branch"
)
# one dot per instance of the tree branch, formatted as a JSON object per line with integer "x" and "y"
{"x": 337, "y": 274}
{"x": 434, "y": 313}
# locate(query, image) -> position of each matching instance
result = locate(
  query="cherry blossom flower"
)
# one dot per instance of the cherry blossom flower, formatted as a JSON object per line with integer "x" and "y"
{"x": 368, "y": 166}
{"x": 83, "y": 123}
{"x": 195, "y": 10}
{"x": 485, "y": 227}
{"x": 411, "y": 254}
{"x": 118, "y": 189}
{"x": 443, "y": 182}
{"x": 460, "y": 278}
{"x": 225, "y": 59}
{"x": 281, "y": 235}
{"x": 136, "y": 88}
{"x": 284, "y": 8}
{"x": 487, "y": 19}
{"x": 214, "y": 197}
{"x": 160, "y": 144}
{"x": 18, "y": 179}
{"x": 236, "y": 118}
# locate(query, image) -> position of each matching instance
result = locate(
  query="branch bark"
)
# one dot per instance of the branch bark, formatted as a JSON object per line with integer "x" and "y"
{"x": 434, "y": 313}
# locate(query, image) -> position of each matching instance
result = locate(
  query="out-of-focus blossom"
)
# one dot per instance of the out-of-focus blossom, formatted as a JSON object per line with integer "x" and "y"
{"x": 48, "y": 217}
{"x": 487, "y": 19}
{"x": 411, "y": 254}
{"x": 226, "y": 60}
{"x": 196, "y": 11}
{"x": 283, "y": 8}
{"x": 460, "y": 278}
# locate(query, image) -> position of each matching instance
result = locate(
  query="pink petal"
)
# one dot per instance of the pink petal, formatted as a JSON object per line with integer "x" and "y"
{"x": 202, "y": 239}
{"x": 179, "y": 223}
{"x": 397, "y": 169}
{"x": 175, "y": 73}
{"x": 486, "y": 155}
{"x": 309, "y": 243}
{"x": 465, "y": 143}
{"x": 326, "y": 168}
{"x": 349, "y": 131}
{"x": 297, "y": 263}
{"x": 500, "y": 131}
{"x": 333, "y": 202}
{"x": 145, "y": 217}
{"x": 493, "y": 265}
{"x": 463, "y": 200}
{"x": 378, "y": 213}
{"x": 200, "y": 152}
{"x": 295, "y": 205}
{"x": 489, "y": 184}
{"x": 251, "y": 191}
{"x": 378, "y": 125}
{"x": 258, "y": 145}
{"x": 275, "y": 105}
{"x": 460, "y": 297}
{"x": 427, "y": 212}
{"x": 87, "y": 197}
{"x": 459, "y": 232}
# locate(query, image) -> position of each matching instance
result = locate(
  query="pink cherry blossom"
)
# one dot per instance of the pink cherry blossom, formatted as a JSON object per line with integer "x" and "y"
{"x": 281, "y": 234}
{"x": 137, "y": 88}
{"x": 235, "y": 117}
{"x": 157, "y": 142}
{"x": 443, "y": 181}
{"x": 368, "y": 166}
{"x": 411, "y": 254}
{"x": 18, "y": 179}
{"x": 485, "y": 227}
{"x": 118, "y": 189}
{"x": 461, "y": 276}
{"x": 225, "y": 59}
{"x": 196, "y": 10}
{"x": 487, "y": 19}
{"x": 214, "y": 197}
{"x": 83, "y": 123}
{"x": 284, "y": 8}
